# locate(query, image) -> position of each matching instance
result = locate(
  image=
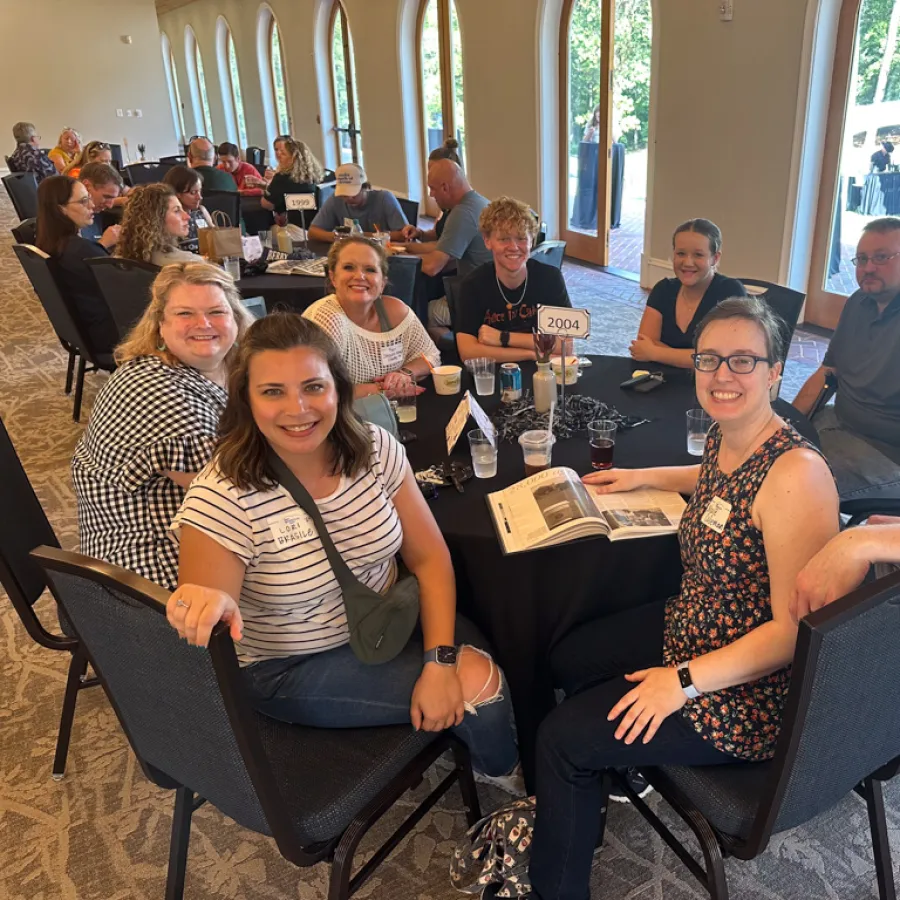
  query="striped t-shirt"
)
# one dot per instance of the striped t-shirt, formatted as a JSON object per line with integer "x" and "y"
{"x": 290, "y": 600}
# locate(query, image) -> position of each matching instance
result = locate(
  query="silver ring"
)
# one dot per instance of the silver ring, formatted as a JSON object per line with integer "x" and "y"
{"x": 180, "y": 602}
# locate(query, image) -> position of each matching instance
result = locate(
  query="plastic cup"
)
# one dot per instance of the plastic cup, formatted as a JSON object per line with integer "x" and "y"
{"x": 484, "y": 456}
{"x": 447, "y": 379}
{"x": 602, "y": 435}
{"x": 698, "y": 424}
{"x": 406, "y": 409}
{"x": 537, "y": 450}
{"x": 483, "y": 370}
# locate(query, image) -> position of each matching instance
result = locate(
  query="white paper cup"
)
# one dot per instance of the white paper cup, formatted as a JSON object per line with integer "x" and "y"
{"x": 571, "y": 369}
{"x": 447, "y": 379}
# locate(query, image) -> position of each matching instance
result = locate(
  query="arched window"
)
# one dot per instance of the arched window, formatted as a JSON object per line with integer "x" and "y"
{"x": 441, "y": 74}
{"x": 198, "y": 83}
{"x": 347, "y": 133}
{"x": 230, "y": 83}
{"x": 174, "y": 93}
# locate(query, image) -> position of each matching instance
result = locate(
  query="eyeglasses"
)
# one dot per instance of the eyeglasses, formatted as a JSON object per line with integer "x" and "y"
{"x": 739, "y": 363}
{"x": 879, "y": 259}
{"x": 84, "y": 201}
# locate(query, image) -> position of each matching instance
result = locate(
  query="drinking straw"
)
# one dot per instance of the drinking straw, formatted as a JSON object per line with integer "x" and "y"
{"x": 428, "y": 363}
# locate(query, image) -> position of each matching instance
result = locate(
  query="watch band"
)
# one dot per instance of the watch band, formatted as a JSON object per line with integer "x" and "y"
{"x": 407, "y": 372}
{"x": 443, "y": 655}
{"x": 504, "y": 338}
{"x": 687, "y": 683}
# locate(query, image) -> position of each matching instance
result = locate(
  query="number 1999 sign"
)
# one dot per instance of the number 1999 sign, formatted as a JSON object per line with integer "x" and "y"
{"x": 563, "y": 322}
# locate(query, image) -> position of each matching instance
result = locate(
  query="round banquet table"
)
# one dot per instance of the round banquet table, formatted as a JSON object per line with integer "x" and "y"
{"x": 291, "y": 292}
{"x": 526, "y": 602}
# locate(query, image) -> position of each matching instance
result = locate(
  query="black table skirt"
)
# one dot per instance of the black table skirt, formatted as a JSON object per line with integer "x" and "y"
{"x": 881, "y": 194}
{"x": 255, "y": 218}
{"x": 526, "y": 602}
{"x": 291, "y": 292}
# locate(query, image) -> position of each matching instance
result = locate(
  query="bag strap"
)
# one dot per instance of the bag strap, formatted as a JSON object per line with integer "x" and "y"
{"x": 221, "y": 219}
{"x": 382, "y": 315}
{"x": 286, "y": 478}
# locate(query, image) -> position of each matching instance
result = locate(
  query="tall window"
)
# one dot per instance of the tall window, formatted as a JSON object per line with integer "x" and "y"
{"x": 230, "y": 84}
{"x": 236, "y": 93}
{"x": 200, "y": 98}
{"x": 279, "y": 82}
{"x": 348, "y": 137}
{"x": 174, "y": 93}
{"x": 441, "y": 74}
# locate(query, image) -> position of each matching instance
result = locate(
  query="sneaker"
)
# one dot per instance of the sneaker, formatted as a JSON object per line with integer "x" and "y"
{"x": 513, "y": 783}
{"x": 636, "y": 782}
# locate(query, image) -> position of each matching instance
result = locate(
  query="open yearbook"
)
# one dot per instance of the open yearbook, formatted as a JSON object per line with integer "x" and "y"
{"x": 555, "y": 507}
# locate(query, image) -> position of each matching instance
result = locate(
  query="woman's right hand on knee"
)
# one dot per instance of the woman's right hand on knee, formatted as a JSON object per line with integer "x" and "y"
{"x": 194, "y": 610}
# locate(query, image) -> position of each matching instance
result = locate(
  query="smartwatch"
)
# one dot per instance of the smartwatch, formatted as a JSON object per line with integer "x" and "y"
{"x": 687, "y": 683}
{"x": 408, "y": 373}
{"x": 504, "y": 338}
{"x": 442, "y": 655}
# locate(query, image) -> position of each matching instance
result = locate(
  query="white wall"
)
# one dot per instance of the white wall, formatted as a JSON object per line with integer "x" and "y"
{"x": 72, "y": 69}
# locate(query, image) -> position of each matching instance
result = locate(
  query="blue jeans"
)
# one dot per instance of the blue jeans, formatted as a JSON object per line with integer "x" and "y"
{"x": 333, "y": 689}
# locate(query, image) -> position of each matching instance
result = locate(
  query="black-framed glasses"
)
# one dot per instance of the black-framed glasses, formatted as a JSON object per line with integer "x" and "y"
{"x": 879, "y": 259}
{"x": 739, "y": 363}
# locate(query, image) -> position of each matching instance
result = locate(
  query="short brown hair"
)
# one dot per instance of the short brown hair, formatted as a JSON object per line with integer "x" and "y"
{"x": 242, "y": 451}
{"x": 335, "y": 250}
{"x": 100, "y": 174}
{"x": 884, "y": 225}
{"x": 508, "y": 214}
{"x": 751, "y": 309}
{"x": 708, "y": 229}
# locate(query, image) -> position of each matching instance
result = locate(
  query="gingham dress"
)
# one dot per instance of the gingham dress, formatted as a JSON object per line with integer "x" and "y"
{"x": 149, "y": 418}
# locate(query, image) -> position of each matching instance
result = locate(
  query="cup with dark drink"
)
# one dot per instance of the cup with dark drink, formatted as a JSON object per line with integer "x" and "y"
{"x": 602, "y": 435}
{"x": 537, "y": 449}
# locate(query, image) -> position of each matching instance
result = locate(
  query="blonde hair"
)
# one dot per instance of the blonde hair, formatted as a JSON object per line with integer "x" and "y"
{"x": 66, "y": 131}
{"x": 303, "y": 165}
{"x": 89, "y": 153}
{"x": 144, "y": 338}
{"x": 144, "y": 223}
{"x": 510, "y": 215}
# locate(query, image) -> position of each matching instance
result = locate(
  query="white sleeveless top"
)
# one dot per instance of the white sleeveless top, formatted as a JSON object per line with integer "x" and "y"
{"x": 369, "y": 354}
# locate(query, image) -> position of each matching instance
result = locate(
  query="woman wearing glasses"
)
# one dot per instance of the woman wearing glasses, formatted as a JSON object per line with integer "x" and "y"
{"x": 64, "y": 208}
{"x": 676, "y": 305}
{"x": 700, "y": 678}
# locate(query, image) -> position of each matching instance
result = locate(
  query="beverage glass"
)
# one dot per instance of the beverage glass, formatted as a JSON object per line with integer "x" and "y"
{"x": 537, "y": 450}
{"x": 602, "y": 435}
{"x": 483, "y": 370}
{"x": 698, "y": 423}
{"x": 406, "y": 409}
{"x": 265, "y": 239}
{"x": 484, "y": 456}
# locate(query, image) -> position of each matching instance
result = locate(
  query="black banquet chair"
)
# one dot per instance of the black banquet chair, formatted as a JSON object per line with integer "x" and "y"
{"x": 403, "y": 275}
{"x": 24, "y": 581}
{"x": 256, "y": 157}
{"x": 125, "y": 285}
{"x": 145, "y": 172}
{"x": 840, "y": 734}
{"x": 25, "y": 232}
{"x": 65, "y": 322}
{"x": 787, "y": 304}
{"x": 227, "y": 202}
{"x": 316, "y": 791}
{"x": 550, "y": 253}
{"x": 410, "y": 209}
{"x": 22, "y": 189}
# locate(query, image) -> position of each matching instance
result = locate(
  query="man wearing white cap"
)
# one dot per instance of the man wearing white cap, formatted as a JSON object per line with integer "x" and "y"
{"x": 354, "y": 199}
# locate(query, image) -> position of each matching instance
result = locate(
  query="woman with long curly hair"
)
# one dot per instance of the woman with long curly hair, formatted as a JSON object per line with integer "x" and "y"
{"x": 153, "y": 226}
{"x": 298, "y": 173}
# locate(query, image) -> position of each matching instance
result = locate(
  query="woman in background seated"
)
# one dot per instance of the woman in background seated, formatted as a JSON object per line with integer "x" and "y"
{"x": 290, "y": 395}
{"x": 380, "y": 339}
{"x": 188, "y": 187}
{"x": 246, "y": 177}
{"x": 676, "y": 305}
{"x": 700, "y": 679}
{"x": 67, "y": 147}
{"x": 153, "y": 226}
{"x": 298, "y": 173}
{"x": 93, "y": 151}
{"x": 65, "y": 207}
{"x": 153, "y": 426}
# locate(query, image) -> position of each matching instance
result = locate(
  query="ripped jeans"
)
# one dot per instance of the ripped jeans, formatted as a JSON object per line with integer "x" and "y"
{"x": 333, "y": 689}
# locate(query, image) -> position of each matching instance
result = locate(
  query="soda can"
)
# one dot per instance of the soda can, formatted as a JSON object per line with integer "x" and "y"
{"x": 510, "y": 382}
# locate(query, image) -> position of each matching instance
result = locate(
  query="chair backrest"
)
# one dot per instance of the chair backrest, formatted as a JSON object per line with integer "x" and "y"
{"x": 22, "y": 190}
{"x": 59, "y": 311}
{"x": 255, "y": 156}
{"x": 323, "y": 192}
{"x": 840, "y": 721}
{"x": 146, "y": 172}
{"x": 125, "y": 286}
{"x": 403, "y": 273}
{"x": 410, "y": 209}
{"x": 25, "y": 232}
{"x": 784, "y": 302}
{"x": 23, "y": 526}
{"x": 550, "y": 252}
{"x": 116, "y": 153}
{"x": 227, "y": 202}
{"x": 451, "y": 292}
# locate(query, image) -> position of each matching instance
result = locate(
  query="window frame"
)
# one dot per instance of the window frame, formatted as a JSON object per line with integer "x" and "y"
{"x": 175, "y": 103}
{"x": 232, "y": 95}
{"x": 270, "y": 45}
{"x": 353, "y": 127}
{"x": 194, "y": 62}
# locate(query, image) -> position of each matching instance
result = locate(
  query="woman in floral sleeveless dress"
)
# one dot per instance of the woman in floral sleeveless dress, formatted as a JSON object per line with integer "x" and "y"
{"x": 702, "y": 678}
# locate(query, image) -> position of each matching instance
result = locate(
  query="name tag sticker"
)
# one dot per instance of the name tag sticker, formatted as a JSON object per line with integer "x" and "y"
{"x": 392, "y": 356}
{"x": 716, "y": 514}
{"x": 291, "y": 528}
{"x": 201, "y": 223}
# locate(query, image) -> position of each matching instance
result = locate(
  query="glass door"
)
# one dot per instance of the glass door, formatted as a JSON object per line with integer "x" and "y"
{"x": 586, "y": 45}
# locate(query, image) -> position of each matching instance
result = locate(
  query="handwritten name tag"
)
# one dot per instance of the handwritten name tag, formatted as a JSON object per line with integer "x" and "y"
{"x": 716, "y": 514}
{"x": 291, "y": 528}
{"x": 392, "y": 356}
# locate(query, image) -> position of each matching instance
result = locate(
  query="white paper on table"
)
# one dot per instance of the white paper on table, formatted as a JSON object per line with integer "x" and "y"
{"x": 469, "y": 406}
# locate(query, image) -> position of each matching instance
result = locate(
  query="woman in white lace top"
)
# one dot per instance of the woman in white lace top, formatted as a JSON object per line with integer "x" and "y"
{"x": 383, "y": 344}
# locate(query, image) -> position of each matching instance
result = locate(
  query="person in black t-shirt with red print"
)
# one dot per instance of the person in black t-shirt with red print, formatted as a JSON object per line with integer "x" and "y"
{"x": 499, "y": 300}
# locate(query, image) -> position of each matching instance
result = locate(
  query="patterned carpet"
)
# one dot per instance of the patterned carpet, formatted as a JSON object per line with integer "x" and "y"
{"x": 102, "y": 833}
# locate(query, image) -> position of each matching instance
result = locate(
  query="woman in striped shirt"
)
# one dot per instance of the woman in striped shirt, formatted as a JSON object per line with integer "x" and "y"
{"x": 250, "y": 557}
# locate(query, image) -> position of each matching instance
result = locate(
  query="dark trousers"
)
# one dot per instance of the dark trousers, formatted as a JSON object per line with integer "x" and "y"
{"x": 576, "y": 744}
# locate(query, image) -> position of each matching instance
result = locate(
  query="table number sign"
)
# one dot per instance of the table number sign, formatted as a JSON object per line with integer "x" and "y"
{"x": 300, "y": 201}
{"x": 567, "y": 323}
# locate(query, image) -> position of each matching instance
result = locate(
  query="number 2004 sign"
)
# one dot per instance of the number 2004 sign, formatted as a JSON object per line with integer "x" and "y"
{"x": 563, "y": 322}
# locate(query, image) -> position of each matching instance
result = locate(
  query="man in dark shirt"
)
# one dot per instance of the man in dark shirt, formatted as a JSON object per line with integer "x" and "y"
{"x": 28, "y": 156}
{"x": 881, "y": 159}
{"x": 104, "y": 185}
{"x": 202, "y": 159}
{"x": 498, "y": 301}
{"x": 860, "y": 434}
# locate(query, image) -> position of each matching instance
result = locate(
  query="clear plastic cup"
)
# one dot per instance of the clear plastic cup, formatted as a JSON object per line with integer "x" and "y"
{"x": 484, "y": 456}
{"x": 698, "y": 424}
{"x": 406, "y": 408}
{"x": 537, "y": 450}
{"x": 483, "y": 370}
{"x": 602, "y": 435}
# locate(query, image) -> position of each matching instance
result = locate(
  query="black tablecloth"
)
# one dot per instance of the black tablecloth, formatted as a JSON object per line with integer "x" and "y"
{"x": 881, "y": 194}
{"x": 526, "y": 602}
{"x": 255, "y": 218}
